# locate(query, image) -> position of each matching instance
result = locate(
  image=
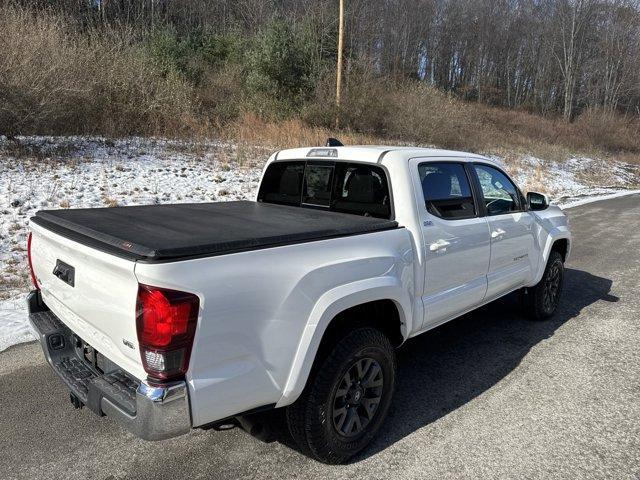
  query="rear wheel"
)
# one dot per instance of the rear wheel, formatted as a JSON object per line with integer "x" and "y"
{"x": 346, "y": 399}
{"x": 540, "y": 301}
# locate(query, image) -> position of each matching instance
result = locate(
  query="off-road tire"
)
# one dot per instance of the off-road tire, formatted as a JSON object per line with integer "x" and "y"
{"x": 311, "y": 418}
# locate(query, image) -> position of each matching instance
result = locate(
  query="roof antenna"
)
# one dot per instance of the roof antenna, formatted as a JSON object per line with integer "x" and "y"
{"x": 333, "y": 142}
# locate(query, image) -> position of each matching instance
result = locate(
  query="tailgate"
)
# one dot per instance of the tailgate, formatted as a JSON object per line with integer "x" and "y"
{"x": 92, "y": 292}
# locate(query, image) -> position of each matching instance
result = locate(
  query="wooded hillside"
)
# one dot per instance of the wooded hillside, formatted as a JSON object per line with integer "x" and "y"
{"x": 196, "y": 66}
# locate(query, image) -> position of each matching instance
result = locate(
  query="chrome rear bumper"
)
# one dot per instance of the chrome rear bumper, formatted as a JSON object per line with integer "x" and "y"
{"x": 162, "y": 412}
{"x": 150, "y": 412}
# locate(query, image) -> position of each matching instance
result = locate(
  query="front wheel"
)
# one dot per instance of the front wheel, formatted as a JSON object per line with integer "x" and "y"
{"x": 346, "y": 399}
{"x": 541, "y": 300}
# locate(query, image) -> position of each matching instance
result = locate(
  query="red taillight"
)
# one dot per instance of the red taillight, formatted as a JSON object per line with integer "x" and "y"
{"x": 31, "y": 272}
{"x": 166, "y": 324}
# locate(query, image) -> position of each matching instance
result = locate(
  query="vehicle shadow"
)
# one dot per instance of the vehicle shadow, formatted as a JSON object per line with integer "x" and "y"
{"x": 446, "y": 368}
{"x": 449, "y": 366}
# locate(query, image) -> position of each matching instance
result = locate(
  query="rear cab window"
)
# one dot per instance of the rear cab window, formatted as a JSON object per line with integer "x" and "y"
{"x": 354, "y": 188}
{"x": 318, "y": 184}
{"x": 282, "y": 183}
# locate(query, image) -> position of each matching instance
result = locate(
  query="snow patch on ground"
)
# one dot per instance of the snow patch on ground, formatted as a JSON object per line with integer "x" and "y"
{"x": 14, "y": 326}
{"x": 574, "y": 179}
{"x": 80, "y": 172}
{"x": 597, "y": 198}
{"x": 72, "y": 172}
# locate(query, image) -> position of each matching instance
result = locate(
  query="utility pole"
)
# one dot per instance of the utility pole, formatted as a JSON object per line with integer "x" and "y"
{"x": 339, "y": 68}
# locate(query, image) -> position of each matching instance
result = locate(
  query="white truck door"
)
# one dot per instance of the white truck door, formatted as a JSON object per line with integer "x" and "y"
{"x": 511, "y": 231}
{"x": 455, "y": 237}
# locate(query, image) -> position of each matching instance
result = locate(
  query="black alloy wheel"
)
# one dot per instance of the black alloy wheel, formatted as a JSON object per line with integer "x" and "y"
{"x": 551, "y": 287}
{"x": 357, "y": 397}
{"x": 541, "y": 301}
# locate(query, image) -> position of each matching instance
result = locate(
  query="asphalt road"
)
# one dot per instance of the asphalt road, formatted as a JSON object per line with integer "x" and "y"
{"x": 489, "y": 395}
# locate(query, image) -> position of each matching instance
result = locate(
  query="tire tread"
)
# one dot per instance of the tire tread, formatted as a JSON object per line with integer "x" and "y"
{"x": 302, "y": 415}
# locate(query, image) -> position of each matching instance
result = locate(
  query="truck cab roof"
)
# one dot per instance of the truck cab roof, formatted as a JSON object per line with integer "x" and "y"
{"x": 373, "y": 153}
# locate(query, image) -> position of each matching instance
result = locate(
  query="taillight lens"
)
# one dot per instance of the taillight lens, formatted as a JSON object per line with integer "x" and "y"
{"x": 31, "y": 272}
{"x": 166, "y": 324}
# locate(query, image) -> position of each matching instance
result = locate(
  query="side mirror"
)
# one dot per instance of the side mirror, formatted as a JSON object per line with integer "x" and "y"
{"x": 537, "y": 201}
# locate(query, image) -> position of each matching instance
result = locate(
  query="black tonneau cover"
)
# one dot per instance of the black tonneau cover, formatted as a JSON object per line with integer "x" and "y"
{"x": 176, "y": 231}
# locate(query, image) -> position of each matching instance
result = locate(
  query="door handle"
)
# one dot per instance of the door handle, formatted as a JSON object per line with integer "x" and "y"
{"x": 497, "y": 233}
{"x": 438, "y": 244}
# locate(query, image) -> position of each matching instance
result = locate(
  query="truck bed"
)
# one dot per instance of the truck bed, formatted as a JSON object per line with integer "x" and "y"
{"x": 156, "y": 233}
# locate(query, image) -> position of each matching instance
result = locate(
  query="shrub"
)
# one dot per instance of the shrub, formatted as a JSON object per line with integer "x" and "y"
{"x": 279, "y": 71}
{"x": 196, "y": 55}
{"x": 221, "y": 95}
{"x": 58, "y": 81}
{"x": 608, "y": 131}
{"x": 401, "y": 110}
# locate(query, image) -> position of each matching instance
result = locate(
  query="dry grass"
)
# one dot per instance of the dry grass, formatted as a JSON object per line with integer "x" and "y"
{"x": 422, "y": 114}
{"x": 593, "y": 132}
{"x": 443, "y": 121}
{"x": 8, "y": 286}
{"x": 409, "y": 111}
{"x": 251, "y": 130}
{"x": 109, "y": 202}
{"x": 55, "y": 80}
{"x": 536, "y": 174}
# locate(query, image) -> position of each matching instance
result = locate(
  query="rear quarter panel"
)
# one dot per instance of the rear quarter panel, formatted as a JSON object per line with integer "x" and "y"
{"x": 261, "y": 309}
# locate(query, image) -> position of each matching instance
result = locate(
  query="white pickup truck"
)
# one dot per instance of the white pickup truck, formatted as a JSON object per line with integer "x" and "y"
{"x": 172, "y": 317}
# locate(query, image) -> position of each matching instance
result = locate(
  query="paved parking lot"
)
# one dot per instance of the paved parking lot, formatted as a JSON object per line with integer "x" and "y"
{"x": 489, "y": 395}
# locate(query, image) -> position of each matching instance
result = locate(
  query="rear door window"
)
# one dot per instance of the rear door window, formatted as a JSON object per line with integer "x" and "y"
{"x": 446, "y": 190}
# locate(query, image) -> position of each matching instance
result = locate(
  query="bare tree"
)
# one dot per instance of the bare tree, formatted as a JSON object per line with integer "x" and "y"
{"x": 573, "y": 18}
